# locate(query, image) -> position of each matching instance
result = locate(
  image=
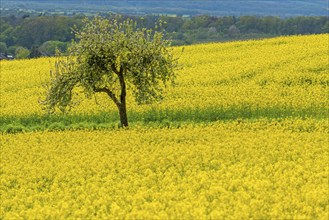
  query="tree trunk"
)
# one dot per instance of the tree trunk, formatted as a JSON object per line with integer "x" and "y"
{"x": 122, "y": 107}
{"x": 123, "y": 115}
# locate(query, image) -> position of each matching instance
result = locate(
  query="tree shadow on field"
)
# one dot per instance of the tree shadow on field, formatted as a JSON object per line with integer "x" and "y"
{"x": 154, "y": 117}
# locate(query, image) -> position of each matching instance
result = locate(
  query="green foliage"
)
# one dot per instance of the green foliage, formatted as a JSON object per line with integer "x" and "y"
{"x": 48, "y": 48}
{"x": 108, "y": 48}
{"x": 5, "y": 32}
{"x": 3, "y": 48}
{"x": 34, "y": 31}
{"x": 22, "y": 53}
{"x": 110, "y": 57}
{"x": 12, "y": 128}
{"x": 35, "y": 52}
{"x": 153, "y": 118}
{"x": 12, "y": 50}
{"x": 37, "y": 30}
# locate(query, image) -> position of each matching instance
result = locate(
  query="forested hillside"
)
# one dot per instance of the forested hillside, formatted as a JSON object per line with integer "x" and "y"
{"x": 34, "y": 36}
{"x": 281, "y": 8}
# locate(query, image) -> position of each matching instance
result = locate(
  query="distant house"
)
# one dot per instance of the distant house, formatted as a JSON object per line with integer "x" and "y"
{"x": 6, "y": 57}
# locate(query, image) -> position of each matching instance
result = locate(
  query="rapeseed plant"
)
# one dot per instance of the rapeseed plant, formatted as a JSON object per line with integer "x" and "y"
{"x": 285, "y": 76}
{"x": 251, "y": 141}
{"x": 224, "y": 170}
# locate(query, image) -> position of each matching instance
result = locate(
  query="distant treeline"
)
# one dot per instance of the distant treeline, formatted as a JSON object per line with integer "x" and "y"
{"x": 280, "y": 8}
{"x": 28, "y": 37}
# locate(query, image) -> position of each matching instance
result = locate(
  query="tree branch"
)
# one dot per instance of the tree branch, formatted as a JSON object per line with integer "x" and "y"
{"x": 109, "y": 93}
{"x": 122, "y": 83}
{"x": 114, "y": 69}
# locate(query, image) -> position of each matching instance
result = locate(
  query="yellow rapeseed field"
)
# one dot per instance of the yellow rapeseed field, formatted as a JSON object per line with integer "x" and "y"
{"x": 268, "y": 160}
{"x": 284, "y": 73}
{"x": 233, "y": 170}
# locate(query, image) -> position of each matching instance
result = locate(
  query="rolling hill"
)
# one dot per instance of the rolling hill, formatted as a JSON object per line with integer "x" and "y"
{"x": 281, "y": 8}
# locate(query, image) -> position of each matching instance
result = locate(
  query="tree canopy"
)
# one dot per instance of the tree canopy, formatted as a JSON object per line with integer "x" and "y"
{"x": 31, "y": 32}
{"x": 111, "y": 57}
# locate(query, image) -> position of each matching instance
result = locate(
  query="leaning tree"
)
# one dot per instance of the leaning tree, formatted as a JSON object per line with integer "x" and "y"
{"x": 111, "y": 56}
